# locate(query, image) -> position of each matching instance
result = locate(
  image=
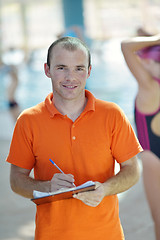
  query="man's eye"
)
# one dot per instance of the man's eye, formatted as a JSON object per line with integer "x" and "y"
{"x": 80, "y": 69}
{"x": 60, "y": 68}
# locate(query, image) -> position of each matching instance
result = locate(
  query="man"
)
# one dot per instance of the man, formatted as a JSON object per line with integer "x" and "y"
{"x": 84, "y": 136}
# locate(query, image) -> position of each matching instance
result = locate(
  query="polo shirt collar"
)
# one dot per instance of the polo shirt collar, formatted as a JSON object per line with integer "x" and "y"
{"x": 53, "y": 110}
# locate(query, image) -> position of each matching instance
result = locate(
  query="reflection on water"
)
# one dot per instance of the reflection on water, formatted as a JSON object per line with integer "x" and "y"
{"x": 110, "y": 79}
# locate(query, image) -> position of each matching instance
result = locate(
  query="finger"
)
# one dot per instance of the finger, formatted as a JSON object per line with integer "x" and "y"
{"x": 91, "y": 203}
{"x": 85, "y": 197}
{"x": 98, "y": 184}
{"x": 70, "y": 175}
{"x": 92, "y": 197}
{"x": 61, "y": 181}
{"x": 65, "y": 177}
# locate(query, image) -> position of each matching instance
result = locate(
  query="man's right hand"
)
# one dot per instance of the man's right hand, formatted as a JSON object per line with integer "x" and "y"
{"x": 61, "y": 180}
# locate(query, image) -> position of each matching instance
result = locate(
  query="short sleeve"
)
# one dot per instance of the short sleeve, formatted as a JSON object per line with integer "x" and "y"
{"x": 124, "y": 144}
{"x": 21, "y": 153}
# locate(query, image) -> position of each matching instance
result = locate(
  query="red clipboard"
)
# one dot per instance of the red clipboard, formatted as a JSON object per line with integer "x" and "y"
{"x": 64, "y": 194}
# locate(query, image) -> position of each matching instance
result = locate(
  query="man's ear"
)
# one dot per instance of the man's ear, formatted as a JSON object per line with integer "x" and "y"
{"x": 47, "y": 70}
{"x": 89, "y": 71}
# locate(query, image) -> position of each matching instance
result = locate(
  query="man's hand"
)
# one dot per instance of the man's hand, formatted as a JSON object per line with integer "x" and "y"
{"x": 61, "y": 180}
{"x": 24, "y": 185}
{"x": 92, "y": 198}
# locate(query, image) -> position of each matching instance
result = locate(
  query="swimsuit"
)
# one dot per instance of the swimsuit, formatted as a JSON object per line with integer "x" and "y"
{"x": 12, "y": 104}
{"x": 148, "y": 139}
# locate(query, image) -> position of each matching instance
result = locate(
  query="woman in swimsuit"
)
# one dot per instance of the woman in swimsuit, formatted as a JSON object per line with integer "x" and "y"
{"x": 142, "y": 55}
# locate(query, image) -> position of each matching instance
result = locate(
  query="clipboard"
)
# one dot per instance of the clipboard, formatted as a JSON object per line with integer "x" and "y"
{"x": 42, "y": 198}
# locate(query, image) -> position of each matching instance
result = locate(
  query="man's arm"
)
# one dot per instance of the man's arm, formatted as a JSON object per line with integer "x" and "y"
{"x": 127, "y": 176}
{"x": 23, "y": 184}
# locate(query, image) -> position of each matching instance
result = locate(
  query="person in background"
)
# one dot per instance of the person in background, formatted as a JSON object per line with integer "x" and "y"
{"x": 11, "y": 61}
{"x": 73, "y": 31}
{"x": 84, "y": 136}
{"x": 11, "y": 72}
{"x": 11, "y": 91}
{"x": 142, "y": 55}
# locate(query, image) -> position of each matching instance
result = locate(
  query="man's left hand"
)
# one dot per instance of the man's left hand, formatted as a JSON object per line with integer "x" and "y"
{"x": 92, "y": 198}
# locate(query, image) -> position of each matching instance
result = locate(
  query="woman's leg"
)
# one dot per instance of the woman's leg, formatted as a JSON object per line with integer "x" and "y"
{"x": 151, "y": 178}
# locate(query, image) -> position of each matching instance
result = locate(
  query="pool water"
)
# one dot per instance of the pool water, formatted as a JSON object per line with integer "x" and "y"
{"x": 110, "y": 79}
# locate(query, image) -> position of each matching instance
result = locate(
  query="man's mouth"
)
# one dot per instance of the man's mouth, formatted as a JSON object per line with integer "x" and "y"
{"x": 69, "y": 86}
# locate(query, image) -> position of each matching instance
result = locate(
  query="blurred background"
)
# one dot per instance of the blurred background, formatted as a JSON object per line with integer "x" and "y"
{"x": 27, "y": 29}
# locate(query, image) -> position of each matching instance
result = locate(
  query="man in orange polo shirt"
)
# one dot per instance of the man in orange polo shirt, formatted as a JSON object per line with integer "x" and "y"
{"x": 84, "y": 136}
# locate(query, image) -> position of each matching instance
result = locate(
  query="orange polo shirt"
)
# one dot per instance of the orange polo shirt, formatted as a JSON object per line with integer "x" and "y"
{"x": 86, "y": 148}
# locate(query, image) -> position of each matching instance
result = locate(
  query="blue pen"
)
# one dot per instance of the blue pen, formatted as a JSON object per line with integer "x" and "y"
{"x": 56, "y": 165}
{"x": 58, "y": 168}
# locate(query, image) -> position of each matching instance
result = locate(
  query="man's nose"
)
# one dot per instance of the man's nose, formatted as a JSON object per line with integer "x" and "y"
{"x": 70, "y": 74}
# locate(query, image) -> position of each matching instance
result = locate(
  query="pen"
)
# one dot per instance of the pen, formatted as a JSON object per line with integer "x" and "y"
{"x": 58, "y": 168}
{"x": 56, "y": 165}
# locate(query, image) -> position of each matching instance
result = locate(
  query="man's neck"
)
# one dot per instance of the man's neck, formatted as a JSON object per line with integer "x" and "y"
{"x": 72, "y": 109}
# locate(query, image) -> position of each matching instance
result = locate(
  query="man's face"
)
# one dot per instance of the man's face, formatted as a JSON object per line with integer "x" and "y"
{"x": 68, "y": 72}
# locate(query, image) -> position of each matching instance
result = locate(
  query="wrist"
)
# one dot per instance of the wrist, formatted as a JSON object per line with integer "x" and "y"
{"x": 43, "y": 186}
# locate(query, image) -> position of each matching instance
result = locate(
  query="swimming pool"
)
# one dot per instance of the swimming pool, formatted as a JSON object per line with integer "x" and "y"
{"x": 110, "y": 79}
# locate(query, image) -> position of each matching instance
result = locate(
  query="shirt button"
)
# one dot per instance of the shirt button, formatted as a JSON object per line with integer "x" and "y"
{"x": 73, "y": 137}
